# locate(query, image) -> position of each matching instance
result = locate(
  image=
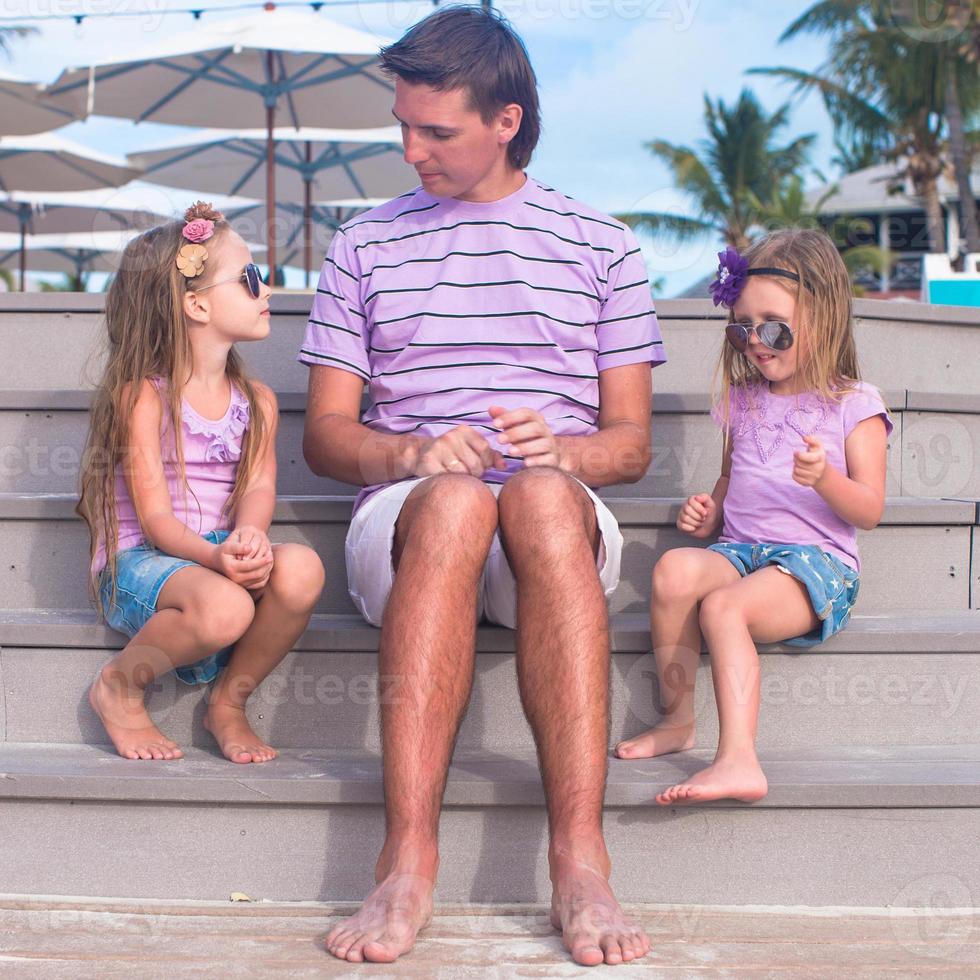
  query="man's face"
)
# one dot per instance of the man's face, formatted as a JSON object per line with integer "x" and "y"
{"x": 453, "y": 151}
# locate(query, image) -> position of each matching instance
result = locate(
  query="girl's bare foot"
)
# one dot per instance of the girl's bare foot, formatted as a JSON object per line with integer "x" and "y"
{"x": 234, "y": 735}
{"x": 126, "y": 721}
{"x": 662, "y": 739}
{"x": 740, "y": 778}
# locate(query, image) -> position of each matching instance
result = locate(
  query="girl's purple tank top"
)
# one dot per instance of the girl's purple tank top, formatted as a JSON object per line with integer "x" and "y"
{"x": 212, "y": 449}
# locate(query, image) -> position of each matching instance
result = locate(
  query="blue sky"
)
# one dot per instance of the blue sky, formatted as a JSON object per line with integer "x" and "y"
{"x": 613, "y": 74}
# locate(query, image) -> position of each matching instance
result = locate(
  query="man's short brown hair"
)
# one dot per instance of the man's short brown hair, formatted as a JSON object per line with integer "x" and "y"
{"x": 471, "y": 48}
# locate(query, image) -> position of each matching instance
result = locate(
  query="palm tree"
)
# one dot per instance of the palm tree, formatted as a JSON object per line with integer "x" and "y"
{"x": 734, "y": 169}
{"x": 885, "y": 88}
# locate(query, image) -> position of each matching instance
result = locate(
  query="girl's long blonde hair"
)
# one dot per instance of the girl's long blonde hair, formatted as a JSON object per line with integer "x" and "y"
{"x": 146, "y": 336}
{"x": 823, "y": 318}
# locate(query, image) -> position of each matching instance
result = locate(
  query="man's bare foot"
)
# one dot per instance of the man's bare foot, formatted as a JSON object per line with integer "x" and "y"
{"x": 662, "y": 739}
{"x": 234, "y": 735}
{"x": 738, "y": 778}
{"x": 387, "y": 923}
{"x": 126, "y": 721}
{"x": 593, "y": 926}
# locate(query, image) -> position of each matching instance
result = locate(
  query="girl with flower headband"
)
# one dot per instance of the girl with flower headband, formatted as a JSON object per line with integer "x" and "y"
{"x": 178, "y": 489}
{"x": 803, "y": 466}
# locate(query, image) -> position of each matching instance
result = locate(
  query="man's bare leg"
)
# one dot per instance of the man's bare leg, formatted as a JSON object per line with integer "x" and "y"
{"x": 428, "y": 641}
{"x": 548, "y": 526}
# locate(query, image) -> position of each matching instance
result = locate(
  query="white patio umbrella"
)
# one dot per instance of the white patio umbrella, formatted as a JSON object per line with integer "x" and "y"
{"x": 49, "y": 162}
{"x": 130, "y": 207}
{"x": 291, "y": 228}
{"x": 319, "y": 72}
{"x": 22, "y": 109}
{"x": 74, "y": 254}
{"x": 311, "y": 164}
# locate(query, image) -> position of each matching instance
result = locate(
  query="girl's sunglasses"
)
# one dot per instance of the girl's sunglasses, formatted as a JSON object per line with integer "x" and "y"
{"x": 250, "y": 275}
{"x": 773, "y": 334}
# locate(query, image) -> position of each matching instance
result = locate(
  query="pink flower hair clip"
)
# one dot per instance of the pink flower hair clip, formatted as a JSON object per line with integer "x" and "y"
{"x": 198, "y": 230}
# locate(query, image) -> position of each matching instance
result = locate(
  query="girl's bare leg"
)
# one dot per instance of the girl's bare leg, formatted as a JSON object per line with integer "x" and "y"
{"x": 198, "y": 612}
{"x": 681, "y": 579}
{"x": 282, "y": 612}
{"x": 764, "y": 607}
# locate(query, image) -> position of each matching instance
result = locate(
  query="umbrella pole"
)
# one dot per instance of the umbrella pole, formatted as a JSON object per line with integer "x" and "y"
{"x": 270, "y": 177}
{"x": 308, "y": 217}
{"x": 23, "y": 256}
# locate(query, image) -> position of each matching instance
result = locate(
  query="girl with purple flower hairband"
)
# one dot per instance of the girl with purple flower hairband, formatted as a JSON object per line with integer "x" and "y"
{"x": 803, "y": 466}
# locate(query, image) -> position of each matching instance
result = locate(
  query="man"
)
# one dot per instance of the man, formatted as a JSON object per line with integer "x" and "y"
{"x": 506, "y": 335}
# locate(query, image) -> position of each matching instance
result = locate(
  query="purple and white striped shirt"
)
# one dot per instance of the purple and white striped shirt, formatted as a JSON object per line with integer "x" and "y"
{"x": 445, "y": 307}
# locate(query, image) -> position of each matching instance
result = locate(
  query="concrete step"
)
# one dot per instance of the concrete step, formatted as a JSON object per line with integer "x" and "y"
{"x": 50, "y": 937}
{"x": 890, "y": 680}
{"x": 860, "y": 827}
{"x": 932, "y": 453}
{"x": 945, "y": 340}
{"x": 45, "y": 550}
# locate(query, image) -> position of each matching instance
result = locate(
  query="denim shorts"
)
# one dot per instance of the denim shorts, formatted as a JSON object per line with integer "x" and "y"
{"x": 141, "y": 573}
{"x": 832, "y": 585}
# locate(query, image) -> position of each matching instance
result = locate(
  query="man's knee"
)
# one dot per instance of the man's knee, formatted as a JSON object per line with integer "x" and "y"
{"x": 545, "y": 509}
{"x": 545, "y": 497}
{"x": 540, "y": 493}
{"x": 450, "y": 510}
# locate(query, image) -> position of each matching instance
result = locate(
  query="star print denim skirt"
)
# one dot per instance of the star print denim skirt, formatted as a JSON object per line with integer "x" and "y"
{"x": 831, "y": 585}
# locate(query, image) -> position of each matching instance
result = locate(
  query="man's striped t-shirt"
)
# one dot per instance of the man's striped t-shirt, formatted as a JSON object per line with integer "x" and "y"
{"x": 446, "y": 307}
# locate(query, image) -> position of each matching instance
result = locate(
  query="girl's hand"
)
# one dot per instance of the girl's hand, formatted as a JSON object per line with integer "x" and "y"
{"x": 528, "y": 433}
{"x": 698, "y": 516}
{"x": 809, "y": 464}
{"x": 252, "y": 541}
{"x": 249, "y": 573}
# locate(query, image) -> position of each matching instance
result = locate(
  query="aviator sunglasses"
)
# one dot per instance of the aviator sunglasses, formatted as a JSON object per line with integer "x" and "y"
{"x": 250, "y": 275}
{"x": 773, "y": 334}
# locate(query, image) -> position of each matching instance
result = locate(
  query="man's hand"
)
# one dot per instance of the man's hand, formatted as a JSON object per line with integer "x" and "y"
{"x": 528, "y": 435}
{"x": 699, "y": 516}
{"x": 460, "y": 450}
{"x": 809, "y": 464}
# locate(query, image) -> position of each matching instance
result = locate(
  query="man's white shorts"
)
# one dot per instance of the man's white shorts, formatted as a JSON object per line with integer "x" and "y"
{"x": 371, "y": 574}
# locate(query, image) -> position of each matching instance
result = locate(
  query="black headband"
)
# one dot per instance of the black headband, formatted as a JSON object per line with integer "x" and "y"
{"x": 769, "y": 271}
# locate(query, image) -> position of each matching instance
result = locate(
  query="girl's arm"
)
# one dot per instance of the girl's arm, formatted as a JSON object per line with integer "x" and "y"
{"x": 858, "y": 498}
{"x": 702, "y": 515}
{"x": 147, "y": 483}
{"x": 721, "y": 488}
{"x": 258, "y": 502}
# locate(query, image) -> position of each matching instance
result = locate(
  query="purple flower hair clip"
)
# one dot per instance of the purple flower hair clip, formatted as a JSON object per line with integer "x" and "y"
{"x": 732, "y": 276}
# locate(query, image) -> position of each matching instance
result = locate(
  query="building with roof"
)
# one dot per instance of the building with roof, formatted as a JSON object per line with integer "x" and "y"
{"x": 877, "y": 206}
